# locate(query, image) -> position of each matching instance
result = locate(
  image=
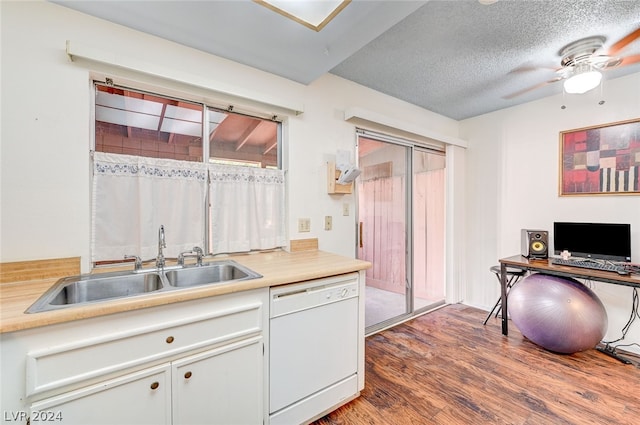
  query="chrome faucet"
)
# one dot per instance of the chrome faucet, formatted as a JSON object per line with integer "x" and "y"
{"x": 161, "y": 244}
{"x": 199, "y": 253}
{"x": 196, "y": 251}
{"x": 138, "y": 263}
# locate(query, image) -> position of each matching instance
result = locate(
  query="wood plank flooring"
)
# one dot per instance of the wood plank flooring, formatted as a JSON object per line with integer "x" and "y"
{"x": 447, "y": 368}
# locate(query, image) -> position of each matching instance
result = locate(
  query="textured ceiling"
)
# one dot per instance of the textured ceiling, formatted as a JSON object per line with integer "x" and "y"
{"x": 456, "y": 58}
{"x": 459, "y": 58}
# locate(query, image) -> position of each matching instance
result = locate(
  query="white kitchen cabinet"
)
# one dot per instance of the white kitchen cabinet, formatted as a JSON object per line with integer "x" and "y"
{"x": 132, "y": 367}
{"x": 221, "y": 386}
{"x": 142, "y": 397}
{"x": 210, "y": 358}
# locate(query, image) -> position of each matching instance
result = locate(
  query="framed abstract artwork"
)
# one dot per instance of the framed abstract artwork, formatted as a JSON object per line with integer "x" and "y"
{"x": 601, "y": 160}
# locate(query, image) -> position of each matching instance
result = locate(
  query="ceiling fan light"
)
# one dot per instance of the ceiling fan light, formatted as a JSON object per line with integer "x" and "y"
{"x": 582, "y": 82}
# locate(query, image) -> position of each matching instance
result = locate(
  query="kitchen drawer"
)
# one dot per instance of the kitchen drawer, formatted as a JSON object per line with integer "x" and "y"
{"x": 99, "y": 355}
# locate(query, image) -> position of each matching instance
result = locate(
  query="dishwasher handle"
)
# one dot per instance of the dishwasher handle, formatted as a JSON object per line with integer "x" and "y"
{"x": 289, "y": 294}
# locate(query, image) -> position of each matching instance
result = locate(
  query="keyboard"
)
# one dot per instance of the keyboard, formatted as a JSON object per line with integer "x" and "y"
{"x": 586, "y": 264}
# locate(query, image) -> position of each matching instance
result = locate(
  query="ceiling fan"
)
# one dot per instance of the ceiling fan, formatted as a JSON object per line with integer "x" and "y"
{"x": 582, "y": 63}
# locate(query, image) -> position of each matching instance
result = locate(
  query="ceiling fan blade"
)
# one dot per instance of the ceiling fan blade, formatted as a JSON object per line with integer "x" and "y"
{"x": 628, "y": 60}
{"x": 530, "y": 68}
{"x": 624, "y": 42}
{"x": 528, "y": 89}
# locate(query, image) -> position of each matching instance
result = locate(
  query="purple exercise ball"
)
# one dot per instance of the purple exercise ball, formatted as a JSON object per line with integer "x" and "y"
{"x": 557, "y": 313}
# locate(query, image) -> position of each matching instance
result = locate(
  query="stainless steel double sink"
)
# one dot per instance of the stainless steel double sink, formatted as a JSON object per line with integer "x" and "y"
{"x": 90, "y": 288}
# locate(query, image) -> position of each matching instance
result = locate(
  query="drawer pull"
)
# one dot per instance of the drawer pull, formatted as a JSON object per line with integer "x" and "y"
{"x": 155, "y": 386}
{"x": 170, "y": 339}
{"x": 187, "y": 375}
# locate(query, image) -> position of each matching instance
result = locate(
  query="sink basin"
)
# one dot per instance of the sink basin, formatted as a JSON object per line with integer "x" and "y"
{"x": 80, "y": 290}
{"x": 90, "y": 288}
{"x": 210, "y": 273}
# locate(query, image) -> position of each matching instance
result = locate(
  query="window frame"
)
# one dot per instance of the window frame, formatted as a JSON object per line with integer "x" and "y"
{"x": 204, "y": 140}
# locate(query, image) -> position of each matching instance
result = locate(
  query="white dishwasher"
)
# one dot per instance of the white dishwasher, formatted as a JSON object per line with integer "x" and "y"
{"x": 313, "y": 354}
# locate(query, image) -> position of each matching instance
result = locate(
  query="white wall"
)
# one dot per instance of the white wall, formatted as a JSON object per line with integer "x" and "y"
{"x": 46, "y": 127}
{"x": 512, "y": 183}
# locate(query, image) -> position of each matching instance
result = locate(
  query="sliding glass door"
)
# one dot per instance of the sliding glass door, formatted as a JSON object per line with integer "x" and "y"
{"x": 428, "y": 228}
{"x": 401, "y": 228}
{"x": 382, "y": 219}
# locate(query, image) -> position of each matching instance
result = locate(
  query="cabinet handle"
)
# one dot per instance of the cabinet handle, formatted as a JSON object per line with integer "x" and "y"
{"x": 169, "y": 339}
{"x": 187, "y": 375}
{"x": 155, "y": 386}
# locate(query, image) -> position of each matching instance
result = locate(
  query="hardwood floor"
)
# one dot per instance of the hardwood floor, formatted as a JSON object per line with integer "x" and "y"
{"x": 447, "y": 368}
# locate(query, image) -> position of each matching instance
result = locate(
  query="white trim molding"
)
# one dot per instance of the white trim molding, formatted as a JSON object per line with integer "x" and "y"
{"x": 79, "y": 51}
{"x": 361, "y": 114}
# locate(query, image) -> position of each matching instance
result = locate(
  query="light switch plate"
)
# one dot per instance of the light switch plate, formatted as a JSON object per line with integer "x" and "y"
{"x": 304, "y": 225}
{"x": 345, "y": 209}
{"x": 328, "y": 222}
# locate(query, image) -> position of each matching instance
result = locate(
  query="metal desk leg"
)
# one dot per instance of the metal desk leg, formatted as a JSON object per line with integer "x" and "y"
{"x": 503, "y": 294}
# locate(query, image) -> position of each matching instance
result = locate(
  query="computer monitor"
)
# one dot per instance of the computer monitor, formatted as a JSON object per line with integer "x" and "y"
{"x": 604, "y": 241}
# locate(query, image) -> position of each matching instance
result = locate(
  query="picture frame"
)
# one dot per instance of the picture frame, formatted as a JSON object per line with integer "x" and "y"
{"x": 600, "y": 160}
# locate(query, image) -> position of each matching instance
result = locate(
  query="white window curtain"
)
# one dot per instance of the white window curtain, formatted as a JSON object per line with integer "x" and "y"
{"x": 133, "y": 196}
{"x": 247, "y": 208}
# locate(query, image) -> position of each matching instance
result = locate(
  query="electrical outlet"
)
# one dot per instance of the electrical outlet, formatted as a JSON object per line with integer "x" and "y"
{"x": 328, "y": 222}
{"x": 304, "y": 225}
{"x": 345, "y": 209}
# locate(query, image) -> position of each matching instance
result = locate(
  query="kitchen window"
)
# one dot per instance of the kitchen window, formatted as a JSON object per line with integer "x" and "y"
{"x": 158, "y": 162}
{"x": 145, "y": 124}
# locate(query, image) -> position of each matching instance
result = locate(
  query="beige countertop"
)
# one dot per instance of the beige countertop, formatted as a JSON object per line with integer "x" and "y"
{"x": 277, "y": 268}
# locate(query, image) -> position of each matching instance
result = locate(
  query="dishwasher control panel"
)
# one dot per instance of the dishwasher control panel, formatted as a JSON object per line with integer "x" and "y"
{"x": 301, "y": 296}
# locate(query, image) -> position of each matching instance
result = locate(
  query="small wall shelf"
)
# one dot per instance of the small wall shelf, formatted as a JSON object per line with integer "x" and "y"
{"x": 333, "y": 187}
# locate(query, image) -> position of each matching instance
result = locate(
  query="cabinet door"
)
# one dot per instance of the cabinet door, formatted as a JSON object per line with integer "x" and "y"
{"x": 220, "y": 386}
{"x": 142, "y": 397}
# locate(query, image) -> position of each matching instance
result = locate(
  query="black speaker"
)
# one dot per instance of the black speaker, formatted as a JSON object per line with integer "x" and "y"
{"x": 535, "y": 243}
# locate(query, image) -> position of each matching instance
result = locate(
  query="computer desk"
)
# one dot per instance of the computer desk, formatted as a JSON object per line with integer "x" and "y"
{"x": 545, "y": 266}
